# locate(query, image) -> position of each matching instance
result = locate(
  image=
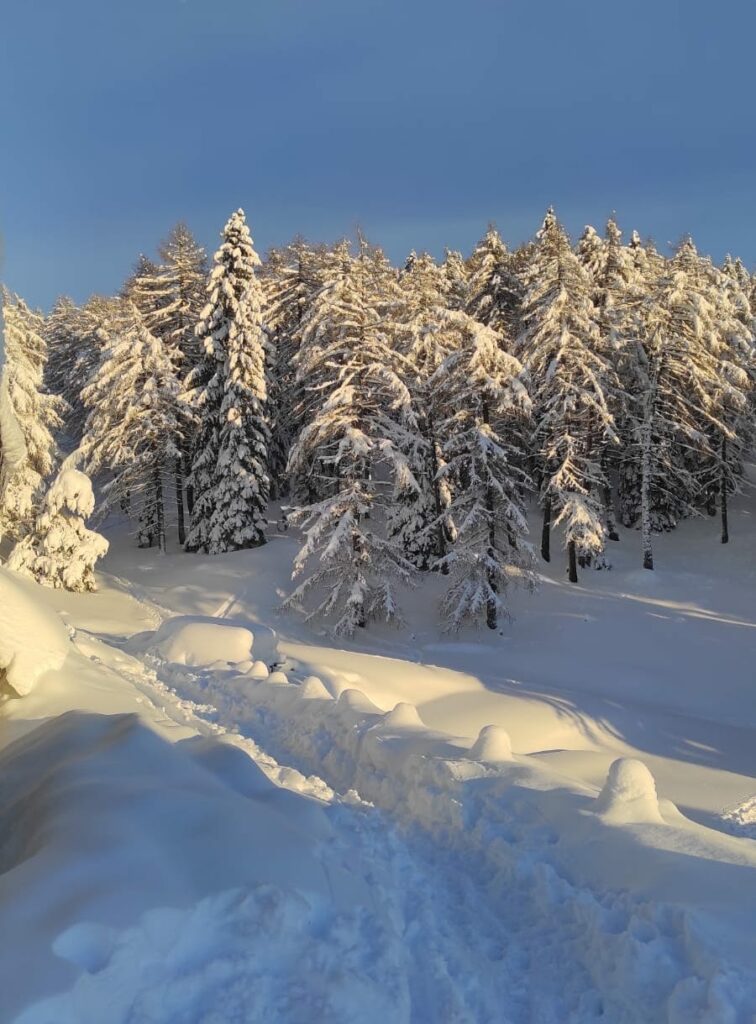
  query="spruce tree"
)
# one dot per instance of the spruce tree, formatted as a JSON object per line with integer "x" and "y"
{"x": 572, "y": 381}
{"x": 481, "y": 390}
{"x": 60, "y": 551}
{"x": 494, "y": 289}
{"x": 349, "y": 444}
{"x": 228, "y": 393}
{"x": 131, "y": 433}
{"x": 34, "y": 413}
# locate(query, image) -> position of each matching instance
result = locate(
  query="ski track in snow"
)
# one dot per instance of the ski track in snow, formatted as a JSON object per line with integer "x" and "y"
{"x": 491, "y": 929}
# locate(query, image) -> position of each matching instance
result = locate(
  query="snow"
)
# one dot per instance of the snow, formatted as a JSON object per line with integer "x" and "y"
{"x": 193, "y": 841}
{"x": 33, "y": 639}
{"x": 629, "y": 793}
{"x": 202, "y": 643}
{"x": 493, "y": 744}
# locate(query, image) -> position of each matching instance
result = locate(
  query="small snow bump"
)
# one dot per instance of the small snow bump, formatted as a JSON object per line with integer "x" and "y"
{"x": 259, "y": 670}
{"x": 278, "y": 677}
{"x": 629, "y": 793}
{"x": 403, "y": 716}
{"x": 493, "y": 745}
{"x": 356, "y": 700}
{"x": 313, "y": 688}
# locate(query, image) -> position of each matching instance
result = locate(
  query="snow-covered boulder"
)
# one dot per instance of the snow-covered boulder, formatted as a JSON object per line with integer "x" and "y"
{"x": 202, "y": 644}
{"x": 33, "y": 639}
{"x": 492, "y": 745}
{"x": 629, "y": 794}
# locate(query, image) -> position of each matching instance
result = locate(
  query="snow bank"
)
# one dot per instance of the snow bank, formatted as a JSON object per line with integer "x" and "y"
{"x": 629, "y": 794}
{"x": 33, "y": 639}
{"x": 202, "y": 644}
{"x": 161, "y": 882}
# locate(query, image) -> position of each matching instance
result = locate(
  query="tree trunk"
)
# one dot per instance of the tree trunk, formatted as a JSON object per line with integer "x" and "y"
{"x": 648, "y": 555}
{"x": 572, "y": 562}
{"x": 159, "y": 510}
{"x": 189, "y": 490}
{"x": 180, "y": 505}
{"x": 725, "y": 527}
{"x": 610, "y": 514}
{"x": 546, "y": 531}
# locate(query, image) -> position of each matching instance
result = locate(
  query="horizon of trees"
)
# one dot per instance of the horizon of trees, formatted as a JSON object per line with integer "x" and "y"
{"x": 405, "y": 417}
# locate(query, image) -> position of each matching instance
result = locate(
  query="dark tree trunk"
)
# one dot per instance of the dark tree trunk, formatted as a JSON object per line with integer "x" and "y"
{"x": 725, "y": 526}
{"x": 159, "y": 510}
{"x": 611, "y": 516}
{"x": 572, "y": 560}
{"x": 546, "y": 531}
{"x": 180, "y": 506}
{"x": 189, "y": 490}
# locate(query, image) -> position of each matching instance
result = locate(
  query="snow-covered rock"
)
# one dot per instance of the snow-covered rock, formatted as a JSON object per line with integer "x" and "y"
{"x": 629, "y": 794}
{"x": 493, "y": 744}
{"x": 202, "y": 644}
{"x": 33, "y": 639}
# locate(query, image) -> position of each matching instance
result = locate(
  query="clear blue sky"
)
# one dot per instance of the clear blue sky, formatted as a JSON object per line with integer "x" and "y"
{"x": 421, "y": 120}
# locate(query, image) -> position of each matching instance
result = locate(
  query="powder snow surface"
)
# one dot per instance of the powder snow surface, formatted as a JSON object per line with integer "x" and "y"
{"x": 33, "y": 639}
{"x": 204, "y": 821}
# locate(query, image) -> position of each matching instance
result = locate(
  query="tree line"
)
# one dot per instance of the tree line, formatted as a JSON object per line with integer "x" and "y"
{"x": 404, "y": 418}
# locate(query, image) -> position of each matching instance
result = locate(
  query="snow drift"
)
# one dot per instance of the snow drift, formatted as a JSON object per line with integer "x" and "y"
{"x": 33, "y": 639}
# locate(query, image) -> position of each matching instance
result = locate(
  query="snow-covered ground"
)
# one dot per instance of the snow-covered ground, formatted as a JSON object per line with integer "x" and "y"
{"x": 212, "y": 813}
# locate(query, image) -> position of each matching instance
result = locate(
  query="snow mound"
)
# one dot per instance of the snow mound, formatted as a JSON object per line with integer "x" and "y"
{"x": 403, "y": 716}
{"x": 33, "y": 639}
{"x": 629, "y": 794}
{"x": 493, "y": 744}
{"x": 202, "y": 644}
{"x": 356, "y": 700}
{"x": 258, "y": 670}
{"x": 278, "y": 677}
{"x": 313, "y": 688}
{"x": 741, "y": 820}
{"x": 72, "y": 490}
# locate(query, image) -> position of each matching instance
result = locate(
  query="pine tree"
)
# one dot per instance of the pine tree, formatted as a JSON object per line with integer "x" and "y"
{"x": 228, "y": 393}
{"x": 36, "y": 414}
{"x": 494, "y": 289}
{"x": 60, "y": 551}
{"x": 350, "y": 441}
{"x": 481, "y": 390}
{"x": 572, "y": 378}
{"x": 131, "y": 432}
{"x": 678, "y": 366}
{"x": 425, "y": 335}
{"x": 456, "y": 278}
{"x": 290, "y": 279}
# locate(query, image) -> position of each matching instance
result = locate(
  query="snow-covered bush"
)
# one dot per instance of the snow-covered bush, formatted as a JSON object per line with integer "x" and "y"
{"x": 61, "y": 552}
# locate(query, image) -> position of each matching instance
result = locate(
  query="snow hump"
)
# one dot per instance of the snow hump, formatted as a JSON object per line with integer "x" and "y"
{"x": 33, "y": 639}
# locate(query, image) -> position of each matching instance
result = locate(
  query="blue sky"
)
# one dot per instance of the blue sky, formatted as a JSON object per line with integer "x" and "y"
{"x": 420, "y": 120}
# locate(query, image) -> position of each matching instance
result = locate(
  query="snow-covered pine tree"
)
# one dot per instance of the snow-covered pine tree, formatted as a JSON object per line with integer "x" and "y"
{"x": 481, "y": 390}
{"x": 572, "y": 380}
{"x": 494, "y": 289}
{"x": 37, "y": 414}
{"x": 425, "y": 335}
{"x": 131, "y": 432}
{"x": 677, "y": 366}
{"x": 60, "y": 551}
{"x": 610, "y": 270}
{"x": 456, "y": 279}
{"x": 732, "y": 337}
{"x": 176, "y": 292}
{"x": 290, "y": 279}
{"x": 228, "y": 393}
{"x": 349, "y": 443}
